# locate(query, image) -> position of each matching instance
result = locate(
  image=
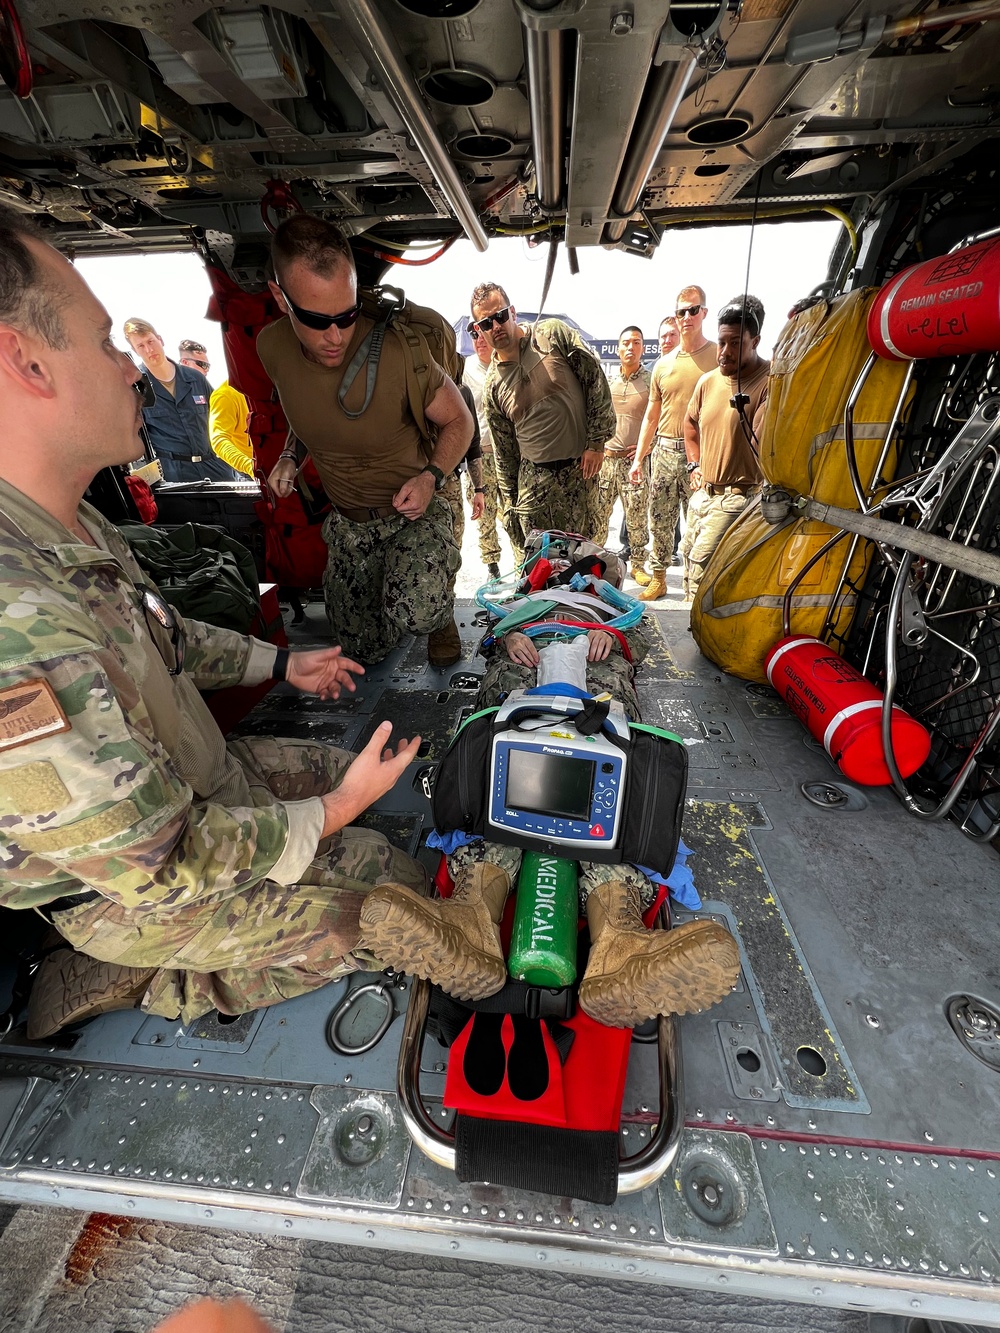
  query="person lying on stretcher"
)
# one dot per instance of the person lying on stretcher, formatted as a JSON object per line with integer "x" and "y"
{"x": 632, "y": 973}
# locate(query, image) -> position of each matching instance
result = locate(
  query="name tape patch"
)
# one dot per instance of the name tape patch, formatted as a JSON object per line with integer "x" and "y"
{"x": 29, "y": 711}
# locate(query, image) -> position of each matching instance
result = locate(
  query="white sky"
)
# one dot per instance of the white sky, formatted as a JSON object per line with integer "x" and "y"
{"x": 611, "y": 289}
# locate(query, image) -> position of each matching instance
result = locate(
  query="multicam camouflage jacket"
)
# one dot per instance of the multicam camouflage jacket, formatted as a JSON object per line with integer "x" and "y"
{"x": 555, "y": 336}
{"x": 113, "y": 774}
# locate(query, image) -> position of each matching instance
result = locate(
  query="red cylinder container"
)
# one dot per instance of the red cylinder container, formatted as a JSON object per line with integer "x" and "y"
{"x": 843, "y": 710}
{"x": 949, "y": 306}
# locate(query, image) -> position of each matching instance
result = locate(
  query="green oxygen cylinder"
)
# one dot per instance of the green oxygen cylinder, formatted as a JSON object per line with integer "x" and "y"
{"x": 543, "y": 942}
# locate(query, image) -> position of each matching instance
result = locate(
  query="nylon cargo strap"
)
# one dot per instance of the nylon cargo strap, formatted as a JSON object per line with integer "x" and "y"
{"x": 370, "y": 351}
{"x": 578, "y": 1163}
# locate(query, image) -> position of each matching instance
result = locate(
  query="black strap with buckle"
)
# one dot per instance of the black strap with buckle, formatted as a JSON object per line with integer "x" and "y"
{"x": 67, "y": 903}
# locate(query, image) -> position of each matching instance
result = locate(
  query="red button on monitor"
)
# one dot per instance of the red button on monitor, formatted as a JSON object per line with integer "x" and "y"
{"x": 596, "y": 831}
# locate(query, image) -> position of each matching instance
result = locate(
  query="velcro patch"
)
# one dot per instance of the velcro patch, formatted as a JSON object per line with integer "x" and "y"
{"x": 29, "y": 711}
{"x": 33, "y": 789}
{"x": 85, "y": 832}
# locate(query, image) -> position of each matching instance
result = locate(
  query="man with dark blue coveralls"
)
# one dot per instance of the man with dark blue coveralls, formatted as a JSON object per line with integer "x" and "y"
{"x": 177, "y": 422}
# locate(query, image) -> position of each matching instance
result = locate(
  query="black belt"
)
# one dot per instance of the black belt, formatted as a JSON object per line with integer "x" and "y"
{"x": 180, "y": 458}
{"x": 65, "y": 904}
{"x": 554, "y": 467}
{"x": 366, "y": 515}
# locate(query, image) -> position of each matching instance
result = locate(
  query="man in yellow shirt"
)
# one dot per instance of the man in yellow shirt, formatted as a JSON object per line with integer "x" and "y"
{"x": 229, "y": 428}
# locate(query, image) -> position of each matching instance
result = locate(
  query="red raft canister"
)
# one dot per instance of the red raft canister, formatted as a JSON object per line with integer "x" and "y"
{"x": 843, "y": 710}
{"x": 949, "y": 306}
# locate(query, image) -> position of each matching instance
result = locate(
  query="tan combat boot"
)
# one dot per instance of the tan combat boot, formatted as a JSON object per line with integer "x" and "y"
{"x": 634, "y": 973}
{"x": 640, "y": 574}
{"x": 444, "y": 646}
{"x": 453, "y": 942}
{"x": 655, "y": 587}
{"x": 69, "y": 988}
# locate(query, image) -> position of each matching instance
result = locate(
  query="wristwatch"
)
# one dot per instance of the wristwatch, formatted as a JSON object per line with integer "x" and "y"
{"x": 693, "y": 467}
{"x": 436, "y": 473}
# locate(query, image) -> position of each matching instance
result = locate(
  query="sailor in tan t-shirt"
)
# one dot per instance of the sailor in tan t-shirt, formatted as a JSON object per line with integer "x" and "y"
{"x": 721, "y": 438}
{"x": 673, "y": 380}
{"x": 629, "y": 395}
{"x": 392, "y": 551}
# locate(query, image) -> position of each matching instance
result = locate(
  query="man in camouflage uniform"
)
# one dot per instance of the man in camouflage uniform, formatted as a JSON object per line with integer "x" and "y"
{"x": 196, "y": 874}
{"x": 629, "y": 394}
{"x": 474, "y": 378}
{"x": 392, "y": 554}
{"x": 549, "y": 410}
{"x": 632, "y": 973}
{"x": 671, "y": 385}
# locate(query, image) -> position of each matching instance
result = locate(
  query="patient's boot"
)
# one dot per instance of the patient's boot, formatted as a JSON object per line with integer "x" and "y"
{"x": 453, "y": 942}
{"x": 69, "y": 988}
{"x": 634, "y": 973}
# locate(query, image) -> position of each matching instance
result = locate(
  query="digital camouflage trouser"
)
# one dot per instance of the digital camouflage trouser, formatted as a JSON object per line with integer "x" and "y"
{"x": 613, "y": 484}
{"x": 388, "y": 578}
{"x": 242, "y": 951}
{"x": 714, "y": 516}
{"x": 551, "y": 498}
{"x": 489, "y": 542}
{"x": 668, "y": 498}
{"x": 451, "y": 494}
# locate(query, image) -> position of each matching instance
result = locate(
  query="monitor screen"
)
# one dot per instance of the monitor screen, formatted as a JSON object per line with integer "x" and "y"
{"x": 549, "y": 784}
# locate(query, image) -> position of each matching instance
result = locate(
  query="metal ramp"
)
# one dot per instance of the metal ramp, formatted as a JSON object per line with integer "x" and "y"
{"x": 840, "y": 1142}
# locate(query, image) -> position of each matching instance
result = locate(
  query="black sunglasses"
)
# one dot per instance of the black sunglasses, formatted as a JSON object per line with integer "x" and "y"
{"x": 691, "y": 310}
{"x": 312, "y": 319}
{"x": 202, "y": 365}
{"x": 144, "y": 388}
{"x": 484, "y": 325}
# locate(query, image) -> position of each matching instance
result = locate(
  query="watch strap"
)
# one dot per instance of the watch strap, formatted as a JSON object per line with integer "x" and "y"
{"x": 280, "y": 669}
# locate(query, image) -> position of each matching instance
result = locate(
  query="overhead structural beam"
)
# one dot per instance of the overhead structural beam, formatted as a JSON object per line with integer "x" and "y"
{"x": 664, "y": 93}
{"x": 384, "y": 54}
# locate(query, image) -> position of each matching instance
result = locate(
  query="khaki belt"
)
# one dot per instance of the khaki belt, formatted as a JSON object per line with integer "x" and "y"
{"x": 671, "y": 442}
{"x": 714, "y": 489}
{"x": 366, "y": 515}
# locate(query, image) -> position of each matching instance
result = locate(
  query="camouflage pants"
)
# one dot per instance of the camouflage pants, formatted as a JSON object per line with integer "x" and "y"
{"x": 613, "y": 675}
{"x": 451, "y": 494}
{"x": 668, "y": 498}
{"x": 714, "y": 516}
{"x": 558, "y": 498}
{"x": 271, "y": 942}
{"x": 388, "y": 578}
{"x": 489, "y": 543}
{"x": 613, "y": 484}
{"x": 591, "y": 873}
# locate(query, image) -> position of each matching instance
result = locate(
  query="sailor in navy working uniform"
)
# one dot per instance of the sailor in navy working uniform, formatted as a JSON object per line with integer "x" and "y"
{"x": 177, "y": 422}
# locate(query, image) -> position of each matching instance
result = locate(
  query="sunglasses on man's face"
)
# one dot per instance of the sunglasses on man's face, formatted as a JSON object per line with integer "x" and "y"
{"x": 202, "y": 365}
{"x": 144, "y": 388}
{"x": 312, "y": 319}
{"x": 486, "y": 323}
{"x": 691, "y": 310}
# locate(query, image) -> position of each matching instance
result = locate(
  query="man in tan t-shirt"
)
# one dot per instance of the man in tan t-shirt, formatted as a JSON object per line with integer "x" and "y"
{"x": 629, "y": 394}
{"x": 392, "y": 551}
{"x": 720, "y": 436}
{"x": 674, "y": 377}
